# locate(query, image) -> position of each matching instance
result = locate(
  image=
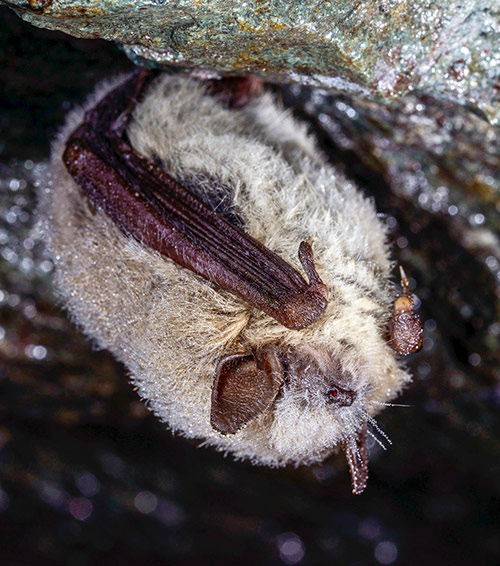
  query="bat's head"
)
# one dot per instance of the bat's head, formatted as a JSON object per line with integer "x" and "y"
{"x": 309, "y": 394}
{"x": 247, "y": 383}
{"x": 313, "y": 391}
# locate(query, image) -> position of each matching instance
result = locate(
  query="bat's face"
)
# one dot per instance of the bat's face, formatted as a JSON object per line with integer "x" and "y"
{"x": 315, "y": 376}
{"x": 294, "y": 397}
{"x": 248, "y": 383}
{"x": 182, "y": 240}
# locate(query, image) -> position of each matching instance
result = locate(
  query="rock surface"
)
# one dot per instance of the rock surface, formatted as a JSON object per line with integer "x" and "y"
{"x": 385, "y": 48}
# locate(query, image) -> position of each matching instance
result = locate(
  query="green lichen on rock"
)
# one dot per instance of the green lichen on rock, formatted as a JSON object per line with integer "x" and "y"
{"x": 384, "y": 47}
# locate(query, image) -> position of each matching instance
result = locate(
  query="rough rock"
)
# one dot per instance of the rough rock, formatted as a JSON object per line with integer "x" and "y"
{"x": 384, "y": 48}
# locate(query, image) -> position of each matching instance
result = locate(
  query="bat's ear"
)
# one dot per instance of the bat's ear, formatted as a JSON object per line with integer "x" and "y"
{"x": 245, "y": 385}
{"x": 357, "y": 457}
{"x": 405, "y": 326}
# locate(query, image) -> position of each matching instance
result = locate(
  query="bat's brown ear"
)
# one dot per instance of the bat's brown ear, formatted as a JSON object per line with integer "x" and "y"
{"x": 357, "y": 457}
{"x": 245, "y": 385}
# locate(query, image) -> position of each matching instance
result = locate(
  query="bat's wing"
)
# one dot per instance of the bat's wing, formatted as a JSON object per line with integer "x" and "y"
{"x": 148, "y": 204}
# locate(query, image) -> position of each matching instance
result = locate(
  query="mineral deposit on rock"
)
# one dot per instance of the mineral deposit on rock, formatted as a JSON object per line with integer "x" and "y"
{"x": 384, "y": 47}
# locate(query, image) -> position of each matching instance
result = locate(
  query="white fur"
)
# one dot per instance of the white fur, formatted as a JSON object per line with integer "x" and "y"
{"x": 169, "y": 326}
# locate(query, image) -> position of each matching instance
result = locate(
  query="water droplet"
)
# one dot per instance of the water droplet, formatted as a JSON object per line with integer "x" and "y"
{"x": 291, "y": 548}
{"x": 386, "y": 552}
{"x": 88, "y": 484}
{"x": 81, "y": 508}
{"x": 146, "y": 502}
{"x": 474, "y": 359}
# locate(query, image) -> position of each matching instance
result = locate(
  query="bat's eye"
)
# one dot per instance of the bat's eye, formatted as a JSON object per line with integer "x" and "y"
{"x": 340, "y": 397}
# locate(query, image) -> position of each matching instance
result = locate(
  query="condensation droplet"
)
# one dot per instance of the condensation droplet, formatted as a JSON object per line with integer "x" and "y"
{"x": 386, "y": 552}
{"x": 474, "y": 359}
{"x": 494, "y": 329}
{"x": 423, "y": 198}
{"x": 430, "y": 325}
{"x": 478, "y": 219}
{"x": 370, "y": 529}
{"x": 391, "y": 222}
{"x": 13, "y": 300}
{"x": 80, "y": 508}
{"x": 291, "y": 548}
{"x": 492, "y": 262}
{"x": 46, "y": 266}
{"x": 145, "y": 502}
{"x": 88, "y": 484}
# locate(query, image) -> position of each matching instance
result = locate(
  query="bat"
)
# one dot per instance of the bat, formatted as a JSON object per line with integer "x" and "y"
{"x": 182, "y": 216}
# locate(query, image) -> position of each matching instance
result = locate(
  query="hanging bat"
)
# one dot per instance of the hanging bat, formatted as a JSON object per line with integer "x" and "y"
{"x": 181, "y": 215}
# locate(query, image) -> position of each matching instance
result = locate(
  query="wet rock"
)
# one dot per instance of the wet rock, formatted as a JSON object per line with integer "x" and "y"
{"x": 384, "y": 48}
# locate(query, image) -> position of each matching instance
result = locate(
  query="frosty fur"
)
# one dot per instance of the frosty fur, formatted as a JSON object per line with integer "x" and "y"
{"x": 169, "y": 326}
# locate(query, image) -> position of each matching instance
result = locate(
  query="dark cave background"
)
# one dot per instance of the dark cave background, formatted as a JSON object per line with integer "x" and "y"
{"x": 88, "y": 475}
